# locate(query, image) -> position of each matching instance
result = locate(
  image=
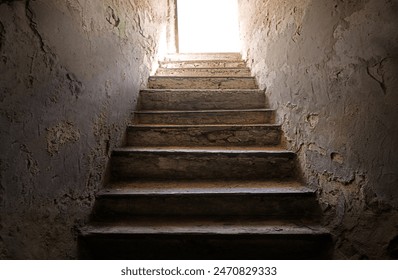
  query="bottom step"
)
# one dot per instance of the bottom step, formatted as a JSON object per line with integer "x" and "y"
{"x": 204, "y": 240}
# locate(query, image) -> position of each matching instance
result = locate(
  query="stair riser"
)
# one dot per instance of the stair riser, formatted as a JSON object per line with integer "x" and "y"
{"x": 201, "y": 56}
{"x": 204, "y": 136}
{"x": 198, "y": 72}
{"x": 201, "y": 100}
{"x": 201, "y": 83}
{"x": 281, "y": 206}
{"x": 223, "y": 247}
{"x": 197, "y": 118}
{"x": 153, "y": 165}
{"x": 202, "y": 64}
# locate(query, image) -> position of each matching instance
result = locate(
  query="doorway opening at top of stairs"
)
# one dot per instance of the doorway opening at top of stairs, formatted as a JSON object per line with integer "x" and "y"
{"x": 208, "y": 26}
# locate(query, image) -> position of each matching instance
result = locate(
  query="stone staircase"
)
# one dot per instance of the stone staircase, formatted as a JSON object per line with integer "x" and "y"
{"x": 204, "y": 175}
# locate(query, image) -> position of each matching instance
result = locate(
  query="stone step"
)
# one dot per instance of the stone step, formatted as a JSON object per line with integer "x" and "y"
{"x": 259, "y": 116}
{"x": 202, "y": 163}
{"x": 204, "y": 72}
{"x": 203, "y": 135}
{"x": 276, "y": 199}
{"x": 204, "y": 239}
{"x": 174, "y": 100}
{"x": 203, "y": 56}
{"x": 202, "y": 64}
{"x": 202, "y": 83}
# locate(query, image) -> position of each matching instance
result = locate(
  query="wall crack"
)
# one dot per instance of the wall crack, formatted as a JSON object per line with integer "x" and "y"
{"x": 111, "y": 17}
{"x": 33, "y": 25}
{"x": 2, "y": 35}
{"x": 376, "y": 73}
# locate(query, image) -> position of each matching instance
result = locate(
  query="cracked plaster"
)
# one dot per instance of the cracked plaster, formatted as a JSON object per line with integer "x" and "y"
{"x": 71, "y": 72}
{"x": 330, "y": 69}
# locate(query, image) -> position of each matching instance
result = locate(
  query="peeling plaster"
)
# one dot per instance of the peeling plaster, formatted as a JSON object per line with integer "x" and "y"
{"x": 71, "y": 72}
{"x": 330, "y": 71}
{"x": 61, "y": 135}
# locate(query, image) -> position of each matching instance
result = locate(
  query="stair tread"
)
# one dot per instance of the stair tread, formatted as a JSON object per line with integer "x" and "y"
{"x": 228, "y": 150}
{"x": 162, "y": 90}
{"x": 203, "y": 227}
{"x": 203, "y": 125}
{"x": 207, "y": 68}
{"x": 201, "y": 60}
{"x": 230, "y": 56}
{"x": 203, "y": 54}
{"x": 181, "y": 187}
{"x": 201, "y": 111}
{"x": 200, "y": 77}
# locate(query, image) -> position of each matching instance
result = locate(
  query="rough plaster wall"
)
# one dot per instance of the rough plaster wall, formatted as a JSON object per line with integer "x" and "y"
{"x": 330, "y": 68}
{"x": 70, "y": 71}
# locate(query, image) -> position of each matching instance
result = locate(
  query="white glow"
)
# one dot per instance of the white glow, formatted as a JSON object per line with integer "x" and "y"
{"x": 208, "y": 26}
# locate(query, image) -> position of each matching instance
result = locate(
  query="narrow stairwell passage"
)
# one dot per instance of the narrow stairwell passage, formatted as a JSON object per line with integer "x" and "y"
{"x": 204, "y": 175}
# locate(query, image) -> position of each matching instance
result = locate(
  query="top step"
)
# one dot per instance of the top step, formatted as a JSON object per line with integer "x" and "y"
{"x": 203, "y": 56}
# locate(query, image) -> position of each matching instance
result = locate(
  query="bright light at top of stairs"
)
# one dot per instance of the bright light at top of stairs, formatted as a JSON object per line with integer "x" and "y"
{"x": 208, "y": 26}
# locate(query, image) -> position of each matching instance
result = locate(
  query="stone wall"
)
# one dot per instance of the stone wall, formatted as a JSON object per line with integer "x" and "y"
{"x": 330, "y": 68}
{"x": 71, "y": 71}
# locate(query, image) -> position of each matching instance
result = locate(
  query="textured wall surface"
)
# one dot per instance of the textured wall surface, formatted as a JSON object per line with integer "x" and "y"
{"x": 330, "y": 68}
{"x": 71, "y": 71}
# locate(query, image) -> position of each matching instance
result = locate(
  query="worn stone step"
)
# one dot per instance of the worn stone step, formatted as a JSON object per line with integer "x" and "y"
{"x": 202, "y": 64}
{"x": 202, "y": 82}
{"x": 203, "y": 135}
{"x": 203, "y": 56}
{"x": 205, "y": 99}
{"x": 254, "y": 116}
{"x": 202, "y": 163}
{"x": 204, "y": 239}
{"x": 204, "y": 72}
{"x": 281, "y": 199}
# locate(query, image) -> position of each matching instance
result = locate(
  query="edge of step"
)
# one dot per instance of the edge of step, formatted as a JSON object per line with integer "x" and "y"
{"x": 203, "y": 227}
{"x": 201, "y": 111}
{"x": 165, "y": 188}
{"x": 210, "y": 90}
{"x": 141, "y": 126}
{"x": 201, "y": 64}
{"x": 200, "y": 77}
{"x": 200, "y": 72}
{"x": 205, "y": 56}
{"x": 206, "y": 150}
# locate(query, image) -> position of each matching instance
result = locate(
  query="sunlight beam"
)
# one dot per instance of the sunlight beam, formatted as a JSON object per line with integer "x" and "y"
{"x": 208, "y": 26}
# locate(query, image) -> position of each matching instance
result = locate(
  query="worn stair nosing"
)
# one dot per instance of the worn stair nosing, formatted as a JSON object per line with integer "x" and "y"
{"x": 201, "y": 77}
{"x": 202, "y": 64}
{"x": 140, "y": 126}
{"x": 201, "y": 56}
{"x": 231, "y": 72}
{"x": 202, "y": 60}
{"x": 206, "y": 150}
{"x": 204, "y": 69}
{"x": 202, "y": 111}
{"x": 205, "y": 229}
{"x": 115, "y": 192}
{"x": 199, "y": 90}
